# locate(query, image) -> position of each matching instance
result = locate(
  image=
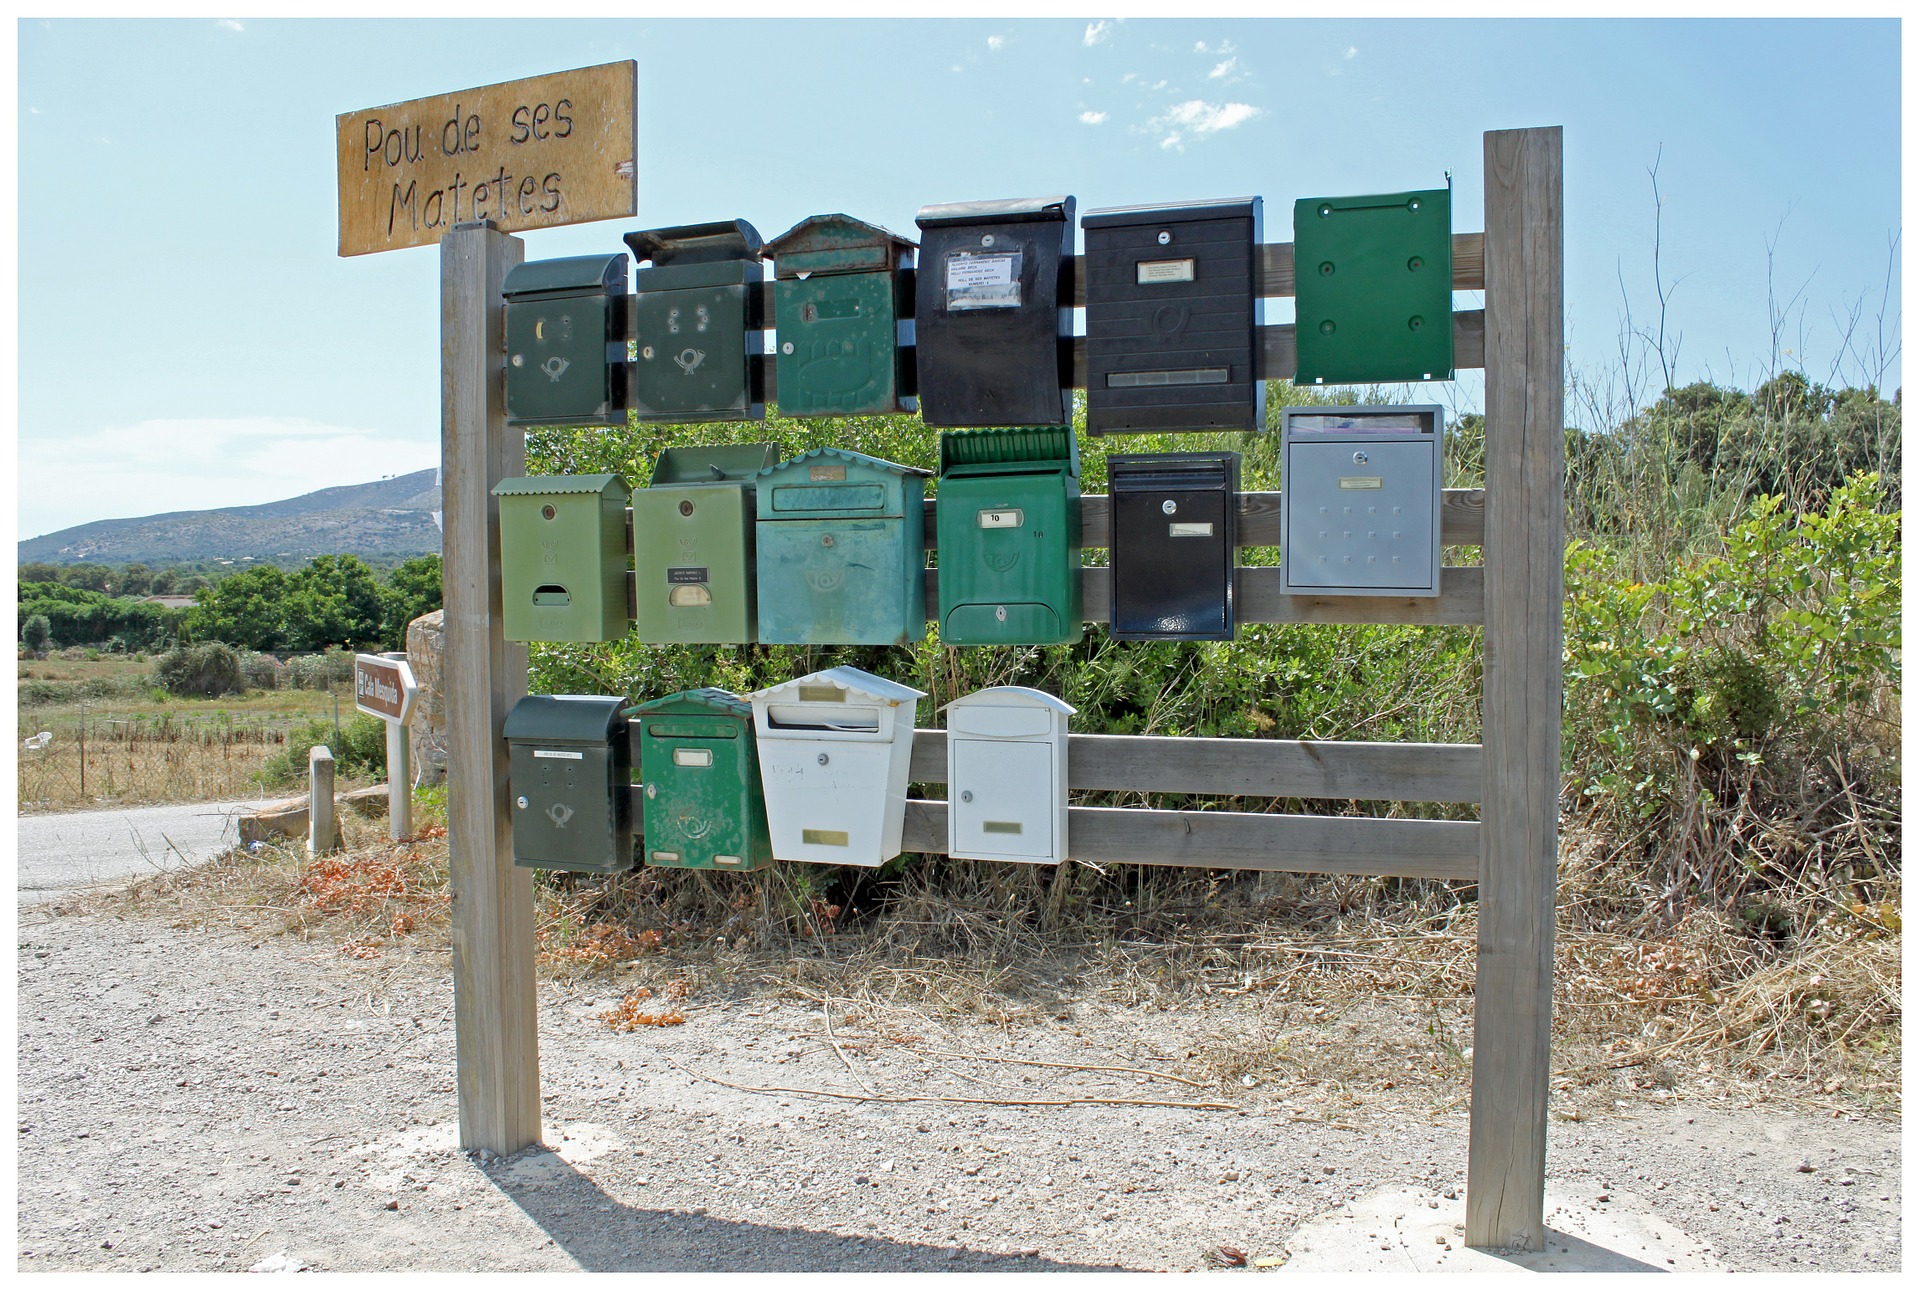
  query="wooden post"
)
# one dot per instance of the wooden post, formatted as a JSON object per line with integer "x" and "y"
{"x": 1521, "y": 692}
{"x": 497, "y": 1060}
{"x": 323, "y": 832}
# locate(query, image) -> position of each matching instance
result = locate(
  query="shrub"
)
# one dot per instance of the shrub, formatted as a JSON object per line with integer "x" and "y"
{"x": 209, "y": 669}
{"x": 359, "y": 748}
{"x": 37, "y": 634}
{"x": 262, "y": 670}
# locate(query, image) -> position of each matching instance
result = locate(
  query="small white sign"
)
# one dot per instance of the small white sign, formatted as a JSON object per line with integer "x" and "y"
{"x": 569, "y": 755}
{"x": 981, "y": 281}
{"x": 1163, "y": 271}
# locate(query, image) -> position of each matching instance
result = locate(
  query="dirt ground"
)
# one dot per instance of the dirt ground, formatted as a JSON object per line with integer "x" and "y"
{"x": 218, "y": 1100}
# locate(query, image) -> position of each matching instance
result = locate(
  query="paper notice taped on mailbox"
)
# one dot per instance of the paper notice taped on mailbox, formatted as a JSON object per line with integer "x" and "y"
{"x": 977, "y": 280}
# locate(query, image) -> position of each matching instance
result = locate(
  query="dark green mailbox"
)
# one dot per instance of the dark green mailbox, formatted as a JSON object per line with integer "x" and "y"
{"x": 693, "y": 545}
{"x": 1374, "y": 291}
{"x": 1008, "y": 522}
{"x": 696, "y": 319}
{"x": 840, "y": 306}
{"x": 568, "y": 768}
{"x": 563, "y": 557}
{"x": 567, "y": 341}
{"x": 842, "y": 550}
{"x": 701, "y": 806}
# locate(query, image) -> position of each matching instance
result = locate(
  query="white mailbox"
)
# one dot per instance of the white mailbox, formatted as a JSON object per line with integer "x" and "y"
{"x": 1361, "y": 500}
{"x": 834, "y": 748}
{"x": 1007, "y": 775}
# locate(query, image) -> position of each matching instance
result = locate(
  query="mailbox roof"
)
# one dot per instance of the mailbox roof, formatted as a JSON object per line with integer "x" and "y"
{"x": 584, "y": 719}
{"x": 569, "y": 273}
{"x": 1005, "y": 211}
{"x": 543, "y": 485}
{"x": 850, "y": 679}
{"x": 832, "y": 233}
{"x": 1005, "y": 696}
{"x": 718, "y": 464}
{"x": 845, "y": 455}
{"x": 707, "y": 699}
{"x": 1218, "y": 208}
{"x": 1024, "y": 444}
{"x": 696, "y": 243}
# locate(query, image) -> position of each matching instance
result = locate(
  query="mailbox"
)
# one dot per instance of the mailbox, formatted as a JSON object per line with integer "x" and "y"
{"x": 568, "y": 763}
{"x": 563, "y": 557}
{"x": 1362, "y": 500}
{"x": 989, "y": 312}
{"x": 840, "y": 309}
{"x": 842, "y": 550}
{"x": 693, "y": 545}
{"x": 701, "y": 807}
{"x": 1175, "y": 519}
{"x": 1173, "y": 312}
{"x": 1008, "y": 523}
{"x": 1007, "y": 776}
{"x": 1374, "y": 290}
{"x": 567, "y": 341}
{"x": 834, "y": 748}
{"x": 696, "y": 319}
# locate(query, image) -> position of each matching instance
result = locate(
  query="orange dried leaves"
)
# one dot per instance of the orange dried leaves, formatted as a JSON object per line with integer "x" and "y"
{"x": 631, "y": 1012}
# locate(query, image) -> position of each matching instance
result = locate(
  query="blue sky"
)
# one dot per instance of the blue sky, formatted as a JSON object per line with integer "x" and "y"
{"x": 188, "y": 338}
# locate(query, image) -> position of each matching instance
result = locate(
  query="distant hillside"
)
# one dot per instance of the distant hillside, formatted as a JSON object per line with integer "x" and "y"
{"x": 387, "y": 518}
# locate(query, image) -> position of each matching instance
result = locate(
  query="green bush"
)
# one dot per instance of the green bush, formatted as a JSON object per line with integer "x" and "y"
{"x": 206, "y": 670}
{"x": 37, "y": 634}
{"x": 359, "y": 748}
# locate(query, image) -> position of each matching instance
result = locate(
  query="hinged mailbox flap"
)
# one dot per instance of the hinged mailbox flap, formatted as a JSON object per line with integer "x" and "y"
{"x": 696, "y": 243}
{"x": 1048, "y": 445}
{"x": 826, "y": 244}
{"x": 574, "y": 275}
{"x": 560, "y": 485}
{"x": 1013, "y": 210}
{"x": 565, "y": 719}
{"x": 717, "y": 464}
{"x": 1218, "y": 208}
{"x": 832, "y": 482}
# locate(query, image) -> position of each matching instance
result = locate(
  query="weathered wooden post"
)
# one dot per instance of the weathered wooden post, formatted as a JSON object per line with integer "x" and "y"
{"x": 323, "y": 832}
{"x": 1521, "y": 690}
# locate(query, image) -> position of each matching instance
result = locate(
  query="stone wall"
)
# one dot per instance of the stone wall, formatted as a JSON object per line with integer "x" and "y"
{"x": 427, "y": 733}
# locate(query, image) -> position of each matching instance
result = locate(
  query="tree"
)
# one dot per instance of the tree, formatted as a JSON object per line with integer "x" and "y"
{"x": 37, "y": 633}
{"x": 412, "y": 589}
{"x": 247, "y": 609}
{"x": 335, "y": 600}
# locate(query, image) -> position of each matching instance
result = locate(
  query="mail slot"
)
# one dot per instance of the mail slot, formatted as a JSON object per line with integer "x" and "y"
{"x": 568, "y": 771}
{"x": 563, "y": 557}
{"x": 842, "y": 550}
{"x": 567, "y": 341}
{"x": 1374, "y": 289}
{"x": 696, "y": 319}
{"x": 1008, "y": 525}
{"x": 693, "y": 547}
{"x": 840, "y": 318}
{"x": 834, "y": 748}
{"x": 1173, "y": 313}
{"x": 989, "y": 312}
{"x": 1362, "y": 500}
{"x": 700, "y": 805}
{"x": 1175, "y": 523}
{"x": 1007, "y": 775}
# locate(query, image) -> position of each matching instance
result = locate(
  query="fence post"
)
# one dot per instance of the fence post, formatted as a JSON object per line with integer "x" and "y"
{"x": 399, "y": 783}
{"x": 323, "y": 833}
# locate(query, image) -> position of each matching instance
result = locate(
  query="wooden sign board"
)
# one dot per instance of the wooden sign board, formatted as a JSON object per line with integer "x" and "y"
{"x": 532, "y": 154}
{"x": 383, "y": 687}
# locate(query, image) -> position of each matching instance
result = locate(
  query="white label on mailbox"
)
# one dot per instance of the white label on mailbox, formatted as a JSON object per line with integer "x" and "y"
{"x": 571, "y": 756}
{"x": 976, "y": 281}
{"x": 1190, "y": 529}
{"x": 1163, "y": 271}
{"x": 1359, "y": 481}
{"x": 693, "y": 757}
{"x": 1001, "y": 519}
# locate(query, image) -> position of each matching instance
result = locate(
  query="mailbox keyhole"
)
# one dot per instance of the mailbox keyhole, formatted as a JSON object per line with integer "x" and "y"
{"x": 966, "y": 795}
{"x": 546, "y": 512}
{"x": 823, "y": 759}
{"x": 686, "y": 508}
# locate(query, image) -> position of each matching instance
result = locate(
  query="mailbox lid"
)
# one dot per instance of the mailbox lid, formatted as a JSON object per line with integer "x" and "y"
{"x": 836, "y": 483}
{"x": 567, "y": 276}
{"x": 1011, "y": 210}
{"x": 817, "y": 706}
{"x": 992, "y": 452}
{"x": 1374, "y": 296}
{"x": 607, "y": 486}
{"x": 707, "y": 701}
{"x": 1008, "y": 712}
{"x": 566, "y": 719}
{"x": 735, "y": 464}
{"x": 1218, "y": 208}
{"x": 727, "y": 245}
{"x": 835, "y": 244}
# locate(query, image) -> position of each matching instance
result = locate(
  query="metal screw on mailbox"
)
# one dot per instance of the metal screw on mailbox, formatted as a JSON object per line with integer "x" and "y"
{"x": 1165, "y": 237}
{"x": 823, "y": 759}
{"x": 1414, "y": 323}
{"x": 1326, "y": 268}
{"x": 521, "y": 802}
{"x": 966, "y": 795}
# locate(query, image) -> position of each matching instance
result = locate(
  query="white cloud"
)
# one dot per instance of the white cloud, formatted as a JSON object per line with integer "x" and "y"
{"x": 229, "y": 24}
{"x": 1097, "y": 31}
{"x": 1197, "y": 117}
{"x": 197, "y": 463}
{"x": 996, "y": 43}
{"x": 1222, "y": 68}
{"x": 1092, "y": 118}
{"x": 1352, "y": 50}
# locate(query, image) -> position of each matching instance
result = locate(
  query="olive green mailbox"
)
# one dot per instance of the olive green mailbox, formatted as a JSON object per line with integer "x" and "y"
{"x": 701, "y": 804}
{"x": 693, "y": 545}
{"x": 1008, "y": 523}
{"x": 842, "y": 550}
{"x": 567, "y": 341}
{"x": 697, "y": 317}
{"x": 568, "y": 763}
{"x": 563, "y": 557}
{"x": 840, "y": 306}
{"x": 1374, "y": 291}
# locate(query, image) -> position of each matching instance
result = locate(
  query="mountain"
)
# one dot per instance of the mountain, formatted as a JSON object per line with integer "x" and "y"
{"x": 393, "y": 518}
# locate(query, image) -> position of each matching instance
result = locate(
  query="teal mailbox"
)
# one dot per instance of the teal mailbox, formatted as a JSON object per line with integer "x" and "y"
{"x": 701, "y": 804}
{"x": 842, "y": 550}
{"x": 841, "y": 305}
{"x": 1008, "y": 522}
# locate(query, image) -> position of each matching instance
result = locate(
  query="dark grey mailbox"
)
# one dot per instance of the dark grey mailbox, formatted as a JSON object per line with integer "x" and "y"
{"x": 567, "y": 341}
{"x": 569, "y": 782}
{"x": 989, "y": 312}
{"x": 1175, "y": 531}
{"x": 1173, "y": 313}
{"x": 697, "y": 318}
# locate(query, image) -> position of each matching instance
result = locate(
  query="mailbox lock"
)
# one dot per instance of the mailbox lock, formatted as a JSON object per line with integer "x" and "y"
{"x": 826, "y": 540}
{"x": 986, "y": 239}
{"x": 653, "y": 791}
{"x": 787, "y": 347}
{"x": 966, "y": 795}
{"x": 546, "y": 512}
{"x": 521, "y": 801}
{"x": 686, "y": 508}
{"x": 822, "y": 759}
{"x": 1360, "y": 459}
{"x": 1164, "y": 238}
{"x": 646, "y": 351}
{"x": 1000, "y": 613}
{"x": 1169, "y": 507}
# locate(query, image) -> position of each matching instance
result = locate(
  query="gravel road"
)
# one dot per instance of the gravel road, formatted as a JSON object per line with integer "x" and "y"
{"x": 66, "y": 851}
{"x": 203, "y": 1100}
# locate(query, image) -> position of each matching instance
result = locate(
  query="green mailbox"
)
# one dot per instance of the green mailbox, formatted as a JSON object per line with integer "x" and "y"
{"x": 563, "y": 557}
{"x": 840, "y": 306}
{"x": 697, "y": 317}
{"x": 567, "y": 341}
{"x": 568, "y": 761}
{"x": 701, "y": 807}
{"x": 693, "y": 545}
{"x": 1374, "y": 287}
{"x": 1008, "y": 524}
{"x": 842, "y": 550}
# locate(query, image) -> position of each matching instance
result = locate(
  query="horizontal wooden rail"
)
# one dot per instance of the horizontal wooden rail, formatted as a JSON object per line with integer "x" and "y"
{"x": 1245, "y": 768}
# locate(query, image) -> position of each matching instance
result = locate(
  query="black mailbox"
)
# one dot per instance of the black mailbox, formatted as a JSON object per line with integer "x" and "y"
{"x": 569, "y": 767}
{"x": 1175, "y": 519}
{"x": 1173, "y": 317}
{"x": 989, "y": 312}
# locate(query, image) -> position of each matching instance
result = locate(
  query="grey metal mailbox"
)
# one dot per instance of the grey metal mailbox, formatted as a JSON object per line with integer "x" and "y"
{"x": 1361, "y": 491}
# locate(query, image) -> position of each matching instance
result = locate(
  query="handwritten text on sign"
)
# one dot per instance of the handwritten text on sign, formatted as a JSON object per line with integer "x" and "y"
{"x": 546, "y": 151}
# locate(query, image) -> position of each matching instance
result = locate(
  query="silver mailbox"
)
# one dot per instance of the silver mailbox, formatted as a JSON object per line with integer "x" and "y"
{"x": 1362, "y": 500}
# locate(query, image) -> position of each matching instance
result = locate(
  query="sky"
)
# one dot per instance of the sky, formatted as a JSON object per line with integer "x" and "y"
{"x": 188, "y": 338}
